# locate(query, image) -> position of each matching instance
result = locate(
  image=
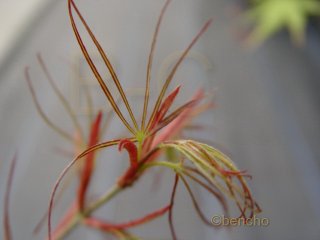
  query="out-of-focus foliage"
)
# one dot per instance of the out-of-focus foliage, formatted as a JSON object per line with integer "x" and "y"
{"x": 270, "y": 16}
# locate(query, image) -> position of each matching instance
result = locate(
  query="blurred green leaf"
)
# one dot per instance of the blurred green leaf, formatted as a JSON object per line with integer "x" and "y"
{"x": 270, "y": 16}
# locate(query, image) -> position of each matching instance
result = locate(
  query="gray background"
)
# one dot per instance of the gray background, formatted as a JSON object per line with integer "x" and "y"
{"x": 267, "y": 115}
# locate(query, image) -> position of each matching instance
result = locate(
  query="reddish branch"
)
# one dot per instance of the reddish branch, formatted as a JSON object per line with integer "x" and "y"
{"x": 173, "y": 232}
{"x": 6, "y": 217}
{"x": 89, "y": 161}
{"x": 106, "y": 226}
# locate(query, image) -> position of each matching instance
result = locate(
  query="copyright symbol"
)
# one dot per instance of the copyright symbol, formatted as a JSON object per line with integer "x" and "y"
{"x": 216, "y": 220}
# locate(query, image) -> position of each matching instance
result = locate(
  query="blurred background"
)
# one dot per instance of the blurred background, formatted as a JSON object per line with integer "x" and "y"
{"x": 261, "y": 60}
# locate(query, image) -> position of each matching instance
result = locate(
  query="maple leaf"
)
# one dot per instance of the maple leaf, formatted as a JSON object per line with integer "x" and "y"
{"x": 271, "y": 16}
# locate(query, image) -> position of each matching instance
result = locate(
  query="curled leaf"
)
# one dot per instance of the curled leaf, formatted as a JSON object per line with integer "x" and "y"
{"x": 219, "y": 170}
{"x": 131, "y": 174}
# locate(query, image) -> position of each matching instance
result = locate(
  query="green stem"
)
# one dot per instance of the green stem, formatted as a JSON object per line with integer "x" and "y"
{"x": 173, "y": 166}
{"x": 78, "y": 217}
{"x": 140, "y": 137}
{"x": 105, "y": 198}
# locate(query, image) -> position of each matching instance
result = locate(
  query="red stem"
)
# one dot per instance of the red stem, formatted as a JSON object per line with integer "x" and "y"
{"x": 93, "y": 222}
{"x": 6, "y": 217}
{"x": 89, "y": 162}
{"x": 173, "y": 233}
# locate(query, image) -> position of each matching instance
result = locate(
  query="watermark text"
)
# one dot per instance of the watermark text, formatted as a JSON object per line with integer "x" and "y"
{"x": 221, "y": 220}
